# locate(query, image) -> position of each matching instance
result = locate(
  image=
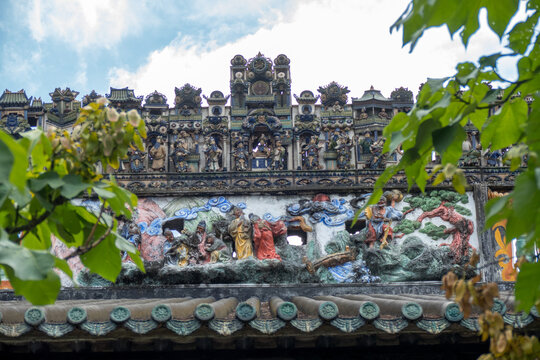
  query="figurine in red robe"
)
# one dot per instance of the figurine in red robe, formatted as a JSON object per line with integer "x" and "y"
{"x": 263, "y": 236}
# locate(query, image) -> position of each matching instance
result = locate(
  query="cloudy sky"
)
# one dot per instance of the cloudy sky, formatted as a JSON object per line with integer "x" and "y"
{"x": 157, "y": 45}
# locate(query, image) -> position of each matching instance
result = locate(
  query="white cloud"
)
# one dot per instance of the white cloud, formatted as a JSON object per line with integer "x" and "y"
{"x": 82, "y": 78}
{"x": 85, "y": 24}
{"x": 21, "y": 67}
{"x": 345, "y": 41}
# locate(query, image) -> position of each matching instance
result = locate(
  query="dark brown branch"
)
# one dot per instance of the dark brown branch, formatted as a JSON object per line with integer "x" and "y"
{"x": 84, "y": 249}
{"x": 92, "y": 232}
{"x": 32, "y": 223}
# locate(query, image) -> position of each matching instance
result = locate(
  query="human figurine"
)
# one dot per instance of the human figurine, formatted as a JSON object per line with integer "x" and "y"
{"x": 213, "y": 155}
{"x": 136, "y": 160}
{"x": 379, "y": 217}
{"x": 188, "y": 139}
{"x": 471, "y": 154}
{"x": 398, "y": 153}
{"x": 198, "y": 241}
{"x": 175, "y": 252}
{"x": 363, "y": 114}
{"x": 240, "y": 230}
{"x": 158, "y": 154}
{"x": 240, "y": 156}
{"x": 493, "y": 158}
{"x": 366, "y": 143}
{"x": 263, "y": 237}
{"x": 263, "y": 147}
{"x": 219, "y": 252}
{"x": 310, "y": 154}
{"x": 180, "y": 154}
{"x": 333, "y": 139}
{"x": 337, "y": 107}
{"x": 133, "y": 235}
{"x": 393, "y": 197}
{"x": 378, "y": 158}
{"x": 383, "y": 114}
{"x": 343, "y": 149}
{"x": 278, "y": 157}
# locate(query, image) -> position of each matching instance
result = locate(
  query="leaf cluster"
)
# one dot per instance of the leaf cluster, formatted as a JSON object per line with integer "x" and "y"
{"x": 507, "y": 116}
{"x": 41, "y": 175}
{"x": 504, "y": 344}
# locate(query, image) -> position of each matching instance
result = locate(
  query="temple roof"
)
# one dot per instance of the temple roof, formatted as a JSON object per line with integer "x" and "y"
{"x": 238, "y": 313}
{"x": 18, "y": 98}
{"x": 123, "y": 95}
{"x": 37, "y": 104}
{"x": 63, "y": 95}
{"x": 371, "y": 94}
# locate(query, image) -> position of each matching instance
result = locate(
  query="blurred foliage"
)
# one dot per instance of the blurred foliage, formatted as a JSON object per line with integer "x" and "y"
{"x": 507, "y": 116}
{"x": 42, "y": 179}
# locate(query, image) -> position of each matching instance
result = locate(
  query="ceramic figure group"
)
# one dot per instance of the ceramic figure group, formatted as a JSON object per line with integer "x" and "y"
{"x": 251, "y": 237}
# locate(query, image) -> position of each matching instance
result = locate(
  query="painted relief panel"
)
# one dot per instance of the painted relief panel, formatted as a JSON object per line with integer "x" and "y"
{"x": 293, "y": 239}
{"x": 505, "y": 254}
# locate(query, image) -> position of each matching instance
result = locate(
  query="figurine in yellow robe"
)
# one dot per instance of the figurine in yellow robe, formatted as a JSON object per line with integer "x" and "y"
{"x": 240, "y": 230}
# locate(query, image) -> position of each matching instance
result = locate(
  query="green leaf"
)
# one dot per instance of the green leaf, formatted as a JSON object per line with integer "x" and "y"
{"x": 470, "y": 20}
{"x": 466, "y": 71}
{"x": 5, "y": 189}
{"x": 500, "y": 13}
{"x": 44, "y": 234}
{"x": 533, "y": 127}
{"x": 439, "y": 179}
{"x": 50, "y": 178}
{"x": 104, "y": 259}
{"x": 527, "y": 286}
{"x": 437, "y": 84}
{"x": 520, "y": 36}
{"x": 27, "y": 264}
{"x": 57, "y": 227}
{"x": 506, "y": 127}
{"x": 103, "y": 193}
{"x": 33, "y": 242}
{"x": 20, "y": 161}
{"x": 447, "y": 142}
{"x": 69, "y": 218}
{"x": 459, "y": 181}
{"x": 478, "y": 117}
{"x": 490, "y": 60}
{"x": 6, "y": 162}
{"x": 73, "y": 186}
{"x": 63, "y": 265}
{"x": 525, "y": 200}
{"x": 38, "y": 292}
{"x": 496, "y": 210}
{"x": 85, "y": 214}
{"x": 124, "y": 245}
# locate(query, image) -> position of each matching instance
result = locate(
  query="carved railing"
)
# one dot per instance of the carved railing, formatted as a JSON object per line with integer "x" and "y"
{"x": 288, "y": 181}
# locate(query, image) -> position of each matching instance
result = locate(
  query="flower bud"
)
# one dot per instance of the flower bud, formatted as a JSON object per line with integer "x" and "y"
{"x": 112, "y": 115}
{"x": 133, "y": 117}
{"x": 102, "y": 101}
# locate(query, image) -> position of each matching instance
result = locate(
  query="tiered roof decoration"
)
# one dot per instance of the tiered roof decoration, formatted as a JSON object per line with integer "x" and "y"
{"x": 14, "y": 99}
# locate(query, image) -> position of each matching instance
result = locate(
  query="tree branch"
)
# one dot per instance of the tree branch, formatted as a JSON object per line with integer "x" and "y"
{"x": 84, "y": 249}
{"x": 92, "y": 232}
{"x": 32, "y": 223}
